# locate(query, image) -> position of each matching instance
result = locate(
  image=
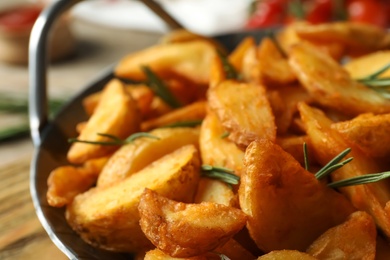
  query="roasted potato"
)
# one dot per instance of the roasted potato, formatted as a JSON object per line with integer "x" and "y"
{"x": 286, "y": 254}
{"x": 134, "y": 156}
{"x": 206, "y": 225}
{"x": 116, "y": 114}
{"x": 108, "y": 218}
{"x": 353, "y": 239}
{"x": 366, "y": 65}
{"x": 211, "y": 190}
{"x": 268, "y": 194}
{"x": 257, "y": 121}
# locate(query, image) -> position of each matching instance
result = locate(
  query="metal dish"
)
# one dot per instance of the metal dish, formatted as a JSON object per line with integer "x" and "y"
{"x": 50, "y": 138}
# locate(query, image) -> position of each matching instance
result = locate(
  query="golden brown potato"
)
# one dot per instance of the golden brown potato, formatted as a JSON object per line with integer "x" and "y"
{"x": 117, "y": 114}
{"x": 275, "y": 206}
{"x": 274, "y": 68}
{"x": 357, "y": 37}
{"x": 65, "y": 182}
{"x": 331, "y": 86}
{"x": 353, "y": 239}
{"x": 366, "y": 65}
{"x": 234, "y": 251}
{"x": 217, "y": 150}
{"x": 328, "y": 143}
{"x": 250, "y": 64}
{"x": 206, "y": 225}
{"x": 236, "y": 57}
{"x": 294, "y": 146}
{"x": 286, "y": 254}
{"x": 157, "y": 254}
{"x": 247, "y": 116}
{"x": 142, "y": 94}
{"x": 188, "y": 59}
{"x": 191, "y": 112}
{"x": 108, "y": 218}
{"x": 284, "y": 102}
{"x": 211, "y": 190}
{"x": 369, "y": 132}
{"x": 132, "y": 157}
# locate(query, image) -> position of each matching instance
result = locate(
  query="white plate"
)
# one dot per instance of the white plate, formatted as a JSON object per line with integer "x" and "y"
{"x": 206, "y": 17}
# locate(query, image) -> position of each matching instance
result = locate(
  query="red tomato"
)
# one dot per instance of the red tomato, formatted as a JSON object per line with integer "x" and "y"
{"x": 320, "y": 11}
{"x": 267, "y": 13}
{"x": 19, "y": 18}
{"x": 367, "y": 11}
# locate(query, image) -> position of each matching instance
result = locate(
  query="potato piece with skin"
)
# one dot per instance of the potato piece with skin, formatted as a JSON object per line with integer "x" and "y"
{"x": 234, "y": 250}
{"x": 287, "y": 206}
{"x": 353, "y": 239}
{"x": 369, "y": 132}
{"x": 286, "y": 254}
{"x": 191, "y": 112}
{"x": 157, "y": 254}
{"x": 188, "y": 59}
{"x": 294, "y": 146}
{"x": 184, "y": 230}
{"x": 366, "y": 65}
{"x": 216, "y": 150}
{"x": 211, "y": 190}
{"x": 327, "y": 143}
{"x": 116, "y": 114}
{"x": 244, "y": 111}
{"x": 357, "y": 37}
{"x": 331, "y": 86}
{"x": 236, "y": 57}
{"x": 274, "y": 68}
{"x": 132, "y": 157}
{"x": 108, "y": 218}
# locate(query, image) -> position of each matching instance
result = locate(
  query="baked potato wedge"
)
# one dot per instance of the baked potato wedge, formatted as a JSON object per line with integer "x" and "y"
{"x": 368, "y": 64}
{"x": 327, "y": 143}
{"x": 257, "y": 121}
{"x": 116, "y": 114}
{"x": 331, "y": 86}
{"x": 353, "y": 239}
{"x": 108, "y": 218}
{"x": 211, "y": 190}
{"x": 276, "y": 191}
{"x": 286, "y": 254}
{"x": 206, "y": 225}
{"x": 132, "y": 157}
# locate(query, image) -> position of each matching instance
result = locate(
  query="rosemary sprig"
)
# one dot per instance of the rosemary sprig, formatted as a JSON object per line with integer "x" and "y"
{"x": 220, "y": 173}
{"x": 381, "y": 85}
{"x": 114, "y": 139}
{"x": 230, "y": 71}
{"x": 358, "y": 180}
{"x": 159, "y": 88}
{"x": 225, "y": 135}
{"x": 190, "y": 123}
{"x": 305, "y": 156}
{"x": 334, "y": 164}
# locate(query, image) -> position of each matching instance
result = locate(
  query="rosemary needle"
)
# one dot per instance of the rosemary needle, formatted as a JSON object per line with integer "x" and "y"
{"x": 333, "y": 164}
{"x": 159, "y": 88}
{"x": 114, "y": 139}
{"x": 223, "y": 174}
{"x": 358, "y": 180}
{"x": 305, "y": 156}
{"x": 225, "y": 135}
{"x": 230, "y": 71}
{"x": 190, "y": 123}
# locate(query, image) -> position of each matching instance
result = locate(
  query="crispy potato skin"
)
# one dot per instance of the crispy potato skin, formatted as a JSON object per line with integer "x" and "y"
{"x": 230, "y": 99}
{"x": 116, "y": 114}
{"x": 108, "y": 218}
{"x": 327, "y": 143}
{"x": 185, "y": 230}
{"x": 269, "y": 195}
{"x": 353, "y": 239}
{"x": 330, "y": 85}
{"x": 133, "y": 157}
{"x": 286, "y": 254}
{"x": 216, "y": 191}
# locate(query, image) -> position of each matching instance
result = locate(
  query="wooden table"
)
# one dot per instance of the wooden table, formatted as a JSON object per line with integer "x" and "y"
{"x": 21, "y": 235}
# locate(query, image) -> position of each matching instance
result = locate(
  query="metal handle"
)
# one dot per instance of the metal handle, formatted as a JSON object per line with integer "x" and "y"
{"x": 38, "y": 60}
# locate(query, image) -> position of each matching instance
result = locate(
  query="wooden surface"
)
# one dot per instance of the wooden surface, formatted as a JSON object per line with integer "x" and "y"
{"x": 21, "y": 235}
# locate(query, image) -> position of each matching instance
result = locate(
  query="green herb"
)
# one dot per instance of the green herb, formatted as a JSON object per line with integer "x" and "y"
{"x": 224, "y": 135}
{"x": 230, "y": 71}
{"x": 272, "y": 36}
{"x": 114, "y": 139}
{"x": 334, "y": 164}
{"x": 358, "y": 180}
{"x": 381, "y": 85}
{"x": 295, "y": 8}
{"x": 159, "y": 88}
{"x": 191, "y": 123}
{"x": 305, "y": 156}
{"x": 220, "y": 173}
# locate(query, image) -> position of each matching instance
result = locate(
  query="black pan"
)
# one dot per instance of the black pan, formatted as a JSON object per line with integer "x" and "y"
{"x": 50, "y": 137}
